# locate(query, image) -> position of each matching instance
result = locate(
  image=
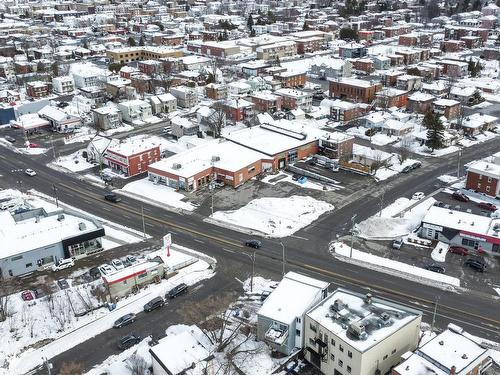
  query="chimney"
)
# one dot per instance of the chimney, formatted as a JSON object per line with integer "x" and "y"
{"x": 452, "y": 370}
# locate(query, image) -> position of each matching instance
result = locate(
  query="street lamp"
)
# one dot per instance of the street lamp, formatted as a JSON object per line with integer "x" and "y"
{"x": 284, "y": 259}
{"x": 458, "y": 163}
{"x": 353, "y": 218}
{"x": 252, "y": 258}
{"x": 55, "y": 195}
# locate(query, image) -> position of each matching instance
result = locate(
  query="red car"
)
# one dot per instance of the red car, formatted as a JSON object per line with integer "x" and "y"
{"x": 33, "y": 145}
{"x": 27, "y": 295}
{"x": 487, "y": 206}
{"x": 460, "y": 197}
{"x": 458, "y": 250}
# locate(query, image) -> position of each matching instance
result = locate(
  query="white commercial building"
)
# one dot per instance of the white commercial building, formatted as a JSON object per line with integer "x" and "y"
{"x": 355, "y": 334}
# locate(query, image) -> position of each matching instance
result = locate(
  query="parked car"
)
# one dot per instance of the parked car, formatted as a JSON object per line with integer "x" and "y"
{"x": 407, "y": 169}
{"x": 435, "y": 268}
{"x": 487, "y": 206}
{"x": 302, "y": 180}
{"x": 438, "y": 204}
{"x": 296, "y": 177}
{"x": 460, "y": 196}
{"x": 10, "y": 139}
{"x": 27, "y": 295}
{"x": 33, "y": 145}
{"x": 30, "y": 172}
{"x": 106, "y": 269}
{"x": 125, "y": 320}
{"x": 128, "y": 341}
{"x": 418, "y": 195}
{"x": 416, "y": 165}
{"x": 62, "y": 264}
{"x": 129, "y": 260}
{"x": 256, "y": 244}
{"x": 112, "y": 197}
{"x": 62, "y": 284}
{"x": 475, "y": 265}
{"x": 397, "y": 243}
{"x": 176, "y": 291}
{"x": 118, "y": 264}
{"x": 458, "y": 250}
{"x": 155, "y": 303}
{"x": 265, "y": 294}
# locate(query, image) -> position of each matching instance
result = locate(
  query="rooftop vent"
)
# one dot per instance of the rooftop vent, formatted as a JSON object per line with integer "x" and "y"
{"x": 215, "y": 158}
{"x": 368, "y": 298}
{"x": 441, "y": 343}
{"x": 337, "y": 305}
{"x": 357, "y": 329}
{"x": 82, "y": 226}
{"x": 60, "y": 217}
{"x": 176, "y": 166}
{"x": 385, "y": 316}
{"x": 464, "y": 356}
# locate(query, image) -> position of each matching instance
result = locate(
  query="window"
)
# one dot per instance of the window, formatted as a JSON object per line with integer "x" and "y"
{"x": 341, "y": 348}
{"x": 333, "y": 342}
{"x": 385, "y": 357}
{"x": 349, "y": 369}
{"x": 488, "y": 188}
{"x": 13, "y": 259}
{"x": 479, "y": 185}
{"x": 251, "y": 169}
{"x": 332, "y": 357}
{"x": 480, "y": 177}
{"x": 28, "y": 265}
{"x": 489, "y": 179}
{"x": 311, "y": 342}
{"x": 298, "y": 320}
{"x": 349, "y": 354}
{"x": 312, "y": 327}
{"x": 467, "y": 242}
{"x": 341, "y": 363}
{"x": 297, "y": 332}
{"x": 142, "y": 275}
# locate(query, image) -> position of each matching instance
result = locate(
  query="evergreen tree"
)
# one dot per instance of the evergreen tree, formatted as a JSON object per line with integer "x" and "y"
{"x": 132, "y": 42}
{"x": 250, "y": 22}
{"x": 305, "y": 27}
{"x": 141, "y": 41}
{"x": 348, "y": 34}
{"x": 435, "y": 131}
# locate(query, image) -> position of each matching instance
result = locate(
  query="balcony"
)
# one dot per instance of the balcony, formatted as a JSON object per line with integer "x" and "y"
{"x": 276, "y": 336}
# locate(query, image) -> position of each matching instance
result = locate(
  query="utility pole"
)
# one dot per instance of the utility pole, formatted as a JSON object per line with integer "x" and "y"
{"x": 48, "y": 365}
{"x": 434, "y": 314}
{"x": 382, "y": 196}
{"x": 352, "y": 233}
{"x": 284, "y": 260}
{"x": 55, "y": 195}
{"x": 458, "y": 163}
{"x": 143, "y": 222}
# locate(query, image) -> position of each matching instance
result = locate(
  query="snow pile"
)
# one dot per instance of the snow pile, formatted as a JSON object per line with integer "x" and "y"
{"x": 148, "y": 191}
{"x": 440, "y": 251}
{"x": 74, "y": 162}
{"x": 392, "y": 266}
{"x": 447, "y": 179}
{"x": 395, "y": 167}
{"x": 274, "y": 217}
{"x": 384, "y": 227}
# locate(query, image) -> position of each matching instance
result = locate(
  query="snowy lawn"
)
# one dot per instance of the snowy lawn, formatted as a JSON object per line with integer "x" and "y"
{"x": 147, "y": 191}
{"x": 387, "y": 227}
{"x": 395, "y": 167}
{"x": 397, "y": 268}
{"x": 73, "y": 163}
{"x": 447, "y": 179}
{"x": 378, "y": 139}
{"x": 274, "y": 217}
{"x": 440, "y": 251}
{"x": 78, "y": 330}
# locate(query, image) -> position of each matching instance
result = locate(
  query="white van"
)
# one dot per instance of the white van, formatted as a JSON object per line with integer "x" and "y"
{"x": 62, "y": 264}
{"x": 9, "y": 204}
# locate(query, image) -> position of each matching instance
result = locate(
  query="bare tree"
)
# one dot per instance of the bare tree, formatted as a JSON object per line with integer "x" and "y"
{"x": 136, "y": 364}
{"x": 404, "y": 148}
{"x": 377, "y": 162}
{"x": 217, "y": 119}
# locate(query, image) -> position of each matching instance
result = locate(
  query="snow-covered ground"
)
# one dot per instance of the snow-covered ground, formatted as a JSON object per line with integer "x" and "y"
{"x": 77, "y": 330}
{"x": 378, "y": 139}
{"x": 273, "y": 217}
{"x": 393, "y": 267}
{"x": 447, "y": 179}
{"x": 149, "y": 192}
{"x": 395, "y": 167}
{"x": 386, "y": 226}
{"x": 74, "y": 162}
{"x": 439, "y": 252}
{"x": 309, "y": 184}
{"x": 85, "y": 133}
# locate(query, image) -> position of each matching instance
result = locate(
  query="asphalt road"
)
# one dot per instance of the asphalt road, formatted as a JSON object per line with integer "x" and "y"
{"x": 306, "y": 251}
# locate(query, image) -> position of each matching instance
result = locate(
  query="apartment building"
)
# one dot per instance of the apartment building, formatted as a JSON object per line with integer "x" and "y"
{"x": 132, "y": 156}
{"x": 291, "y": 78}
{"x": 354, "y": 334}
{"x": 485, "y": 176}
{"x": 355, "y": 89}
{"x": 135, "y": 110}
{"x": 108, "y": 117}
{"x": 447, "y": 108}
{"x": 164, "y": 103}
{"x": 277, "y": 50}
{"x": 216, "y": 91}
{"x": 266, "y": 102}
{"x": 294, "y": 99}
{"x": 63, "y": 85}
{"x": 187, "y": 97}
{"x": 38, "y": 89}
{"x": 128, "y": 54}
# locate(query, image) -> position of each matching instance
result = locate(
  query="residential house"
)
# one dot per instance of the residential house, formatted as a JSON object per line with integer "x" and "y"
{"x": 447, "y": 108}
{"x": 420, "y": 102}
{"x": 277, "y": 50}
{"x": 132, "y": 156}
{"x": 181, "y": 126}
{"x": 391, "y": 97}
{"x": 164, "y": 103}
{"x": 135, "y": 110}
{"x": 352, "y": 333}
{"x": 238, "y": 109}
{"x": 63, "y": 85}
{"x": 38, "y": 89}
{"x": 187, "y": 97}
{"x": 294, "y": 99}
{"x": 291, "y": 79}
{"x": 216, "y": 91}
{"x": 96, "y": 149}
{"x": 266, "y": 101}
{"x": 352, "y": 51}
{"x": 453, "y": 68}
{"x": 336, "y": 145}
{"x": 324, "y": 68}
{"x": 283, "y": 329}
{"x": 408, "y": 82}
{"x": 107, "y": 117}
{"x": 342, "y": 111}
{"x": 452, "y": 351}
{"x": 239, "y": 88}
{"x": 484, "y": 176}
{"x": 381, "y": 62}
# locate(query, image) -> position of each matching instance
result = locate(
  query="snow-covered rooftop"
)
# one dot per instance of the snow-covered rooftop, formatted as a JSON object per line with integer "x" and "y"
{"x": 458, "y": 220}
{"x": 379, "y": 318}
{"x": 293, "y": 296}
{"x": 132, "y": 146}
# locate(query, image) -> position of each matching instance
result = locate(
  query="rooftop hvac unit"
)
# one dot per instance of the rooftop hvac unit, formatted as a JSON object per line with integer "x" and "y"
{"x": 176, "y": 166}
{"x": 82, "y": 226}
{"x": 60, "y": 217}
{"x": 338, "y": 305}
{"x": 385, "y": 316}
{"x": 357, "y": 329}
{"x": 215, "y": 158}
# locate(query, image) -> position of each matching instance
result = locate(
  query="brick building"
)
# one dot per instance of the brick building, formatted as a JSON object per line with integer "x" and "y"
{"x": 484, "y": 177}
{"x": 309, "y": 45}
{"x": 420, "y": 102}
{"x": 132, "y": 157}
{"x": 293, "y": 99}
{"x": 291, "y": 79}
{"x": 355, "y": 89}
{"x": 266, "y": 102}
{"x": 238, "y": 109}
{"x": 38, "y": 89}
{"x": 447, "y": 108}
